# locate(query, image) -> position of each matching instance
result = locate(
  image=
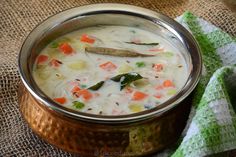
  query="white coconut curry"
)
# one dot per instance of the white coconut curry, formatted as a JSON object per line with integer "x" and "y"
{"x": 110, "y": 70}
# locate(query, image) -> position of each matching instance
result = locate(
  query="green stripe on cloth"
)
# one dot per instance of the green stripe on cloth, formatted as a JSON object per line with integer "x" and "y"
{"x": 179, "y": 153}
{"x": 231, "y": 129}
{"x": 214, "y": 135}
{"x": 209, "y": 128}
{"x": 216, "y": 87}
{"x": 219, "y": 38}
{"x": 211, "y": 140}
{"x": 218, "y": 133}
{"x": 212, "y": 126}
{"x": 210, "y": 59}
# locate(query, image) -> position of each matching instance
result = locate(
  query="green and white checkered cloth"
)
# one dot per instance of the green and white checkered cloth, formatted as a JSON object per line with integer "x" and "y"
{"x": 212, "y": 125}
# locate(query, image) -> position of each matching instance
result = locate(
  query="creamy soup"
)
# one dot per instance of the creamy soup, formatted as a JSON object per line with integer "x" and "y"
{"x": 110, "y": 70}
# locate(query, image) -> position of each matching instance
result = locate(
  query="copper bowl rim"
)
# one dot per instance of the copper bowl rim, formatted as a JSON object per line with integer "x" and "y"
{"x": 157, "y": 18}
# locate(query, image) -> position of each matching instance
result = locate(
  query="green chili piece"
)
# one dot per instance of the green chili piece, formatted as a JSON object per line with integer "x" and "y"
{"x": 78, "y": 105}
{"x": 140, "y": 64}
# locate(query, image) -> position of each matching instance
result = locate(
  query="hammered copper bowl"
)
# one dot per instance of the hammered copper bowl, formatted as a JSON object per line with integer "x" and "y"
{"x": 96, "y": 135}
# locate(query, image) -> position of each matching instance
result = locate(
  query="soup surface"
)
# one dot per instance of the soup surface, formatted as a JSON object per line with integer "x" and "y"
{"x": 110, "y": 70}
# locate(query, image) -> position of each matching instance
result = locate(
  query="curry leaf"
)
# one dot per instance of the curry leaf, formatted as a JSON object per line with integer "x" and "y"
{"x": 126, "y": 79}
{"x": 97, "y": 86}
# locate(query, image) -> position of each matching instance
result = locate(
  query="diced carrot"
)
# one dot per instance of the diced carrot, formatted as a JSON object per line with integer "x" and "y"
{"x": 42, "y": 59}
{"x": 55, "y": 63}
{"x": 75, "y": 89}
{"x": 168, "y": 83}
{"x": 60, "y": 100}
{"x": 109, "y": 66}
{"x": 156, "y": 50}
{"x": 159, "y": 87}
{"x": 66, "y": 48}
{"x": 157, "y": 67}
{"x": 158, "y": 96}
{"x": 84, "y": 93}
{"x": 139, "y": 95}
{"x": 87, "y": 39}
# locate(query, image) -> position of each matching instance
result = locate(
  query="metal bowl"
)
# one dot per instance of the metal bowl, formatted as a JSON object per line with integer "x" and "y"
{"x": 135, "y": 134}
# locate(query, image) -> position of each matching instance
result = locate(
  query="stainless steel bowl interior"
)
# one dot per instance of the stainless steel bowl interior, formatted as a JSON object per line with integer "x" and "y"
{"x": 109, "y": 14}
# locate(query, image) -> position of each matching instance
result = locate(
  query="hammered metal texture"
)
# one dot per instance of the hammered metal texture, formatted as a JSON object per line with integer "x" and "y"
{"x": 90, "y": 139}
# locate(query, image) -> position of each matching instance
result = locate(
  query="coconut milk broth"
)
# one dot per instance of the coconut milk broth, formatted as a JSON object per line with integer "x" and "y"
{"x": 69, "y": 75}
